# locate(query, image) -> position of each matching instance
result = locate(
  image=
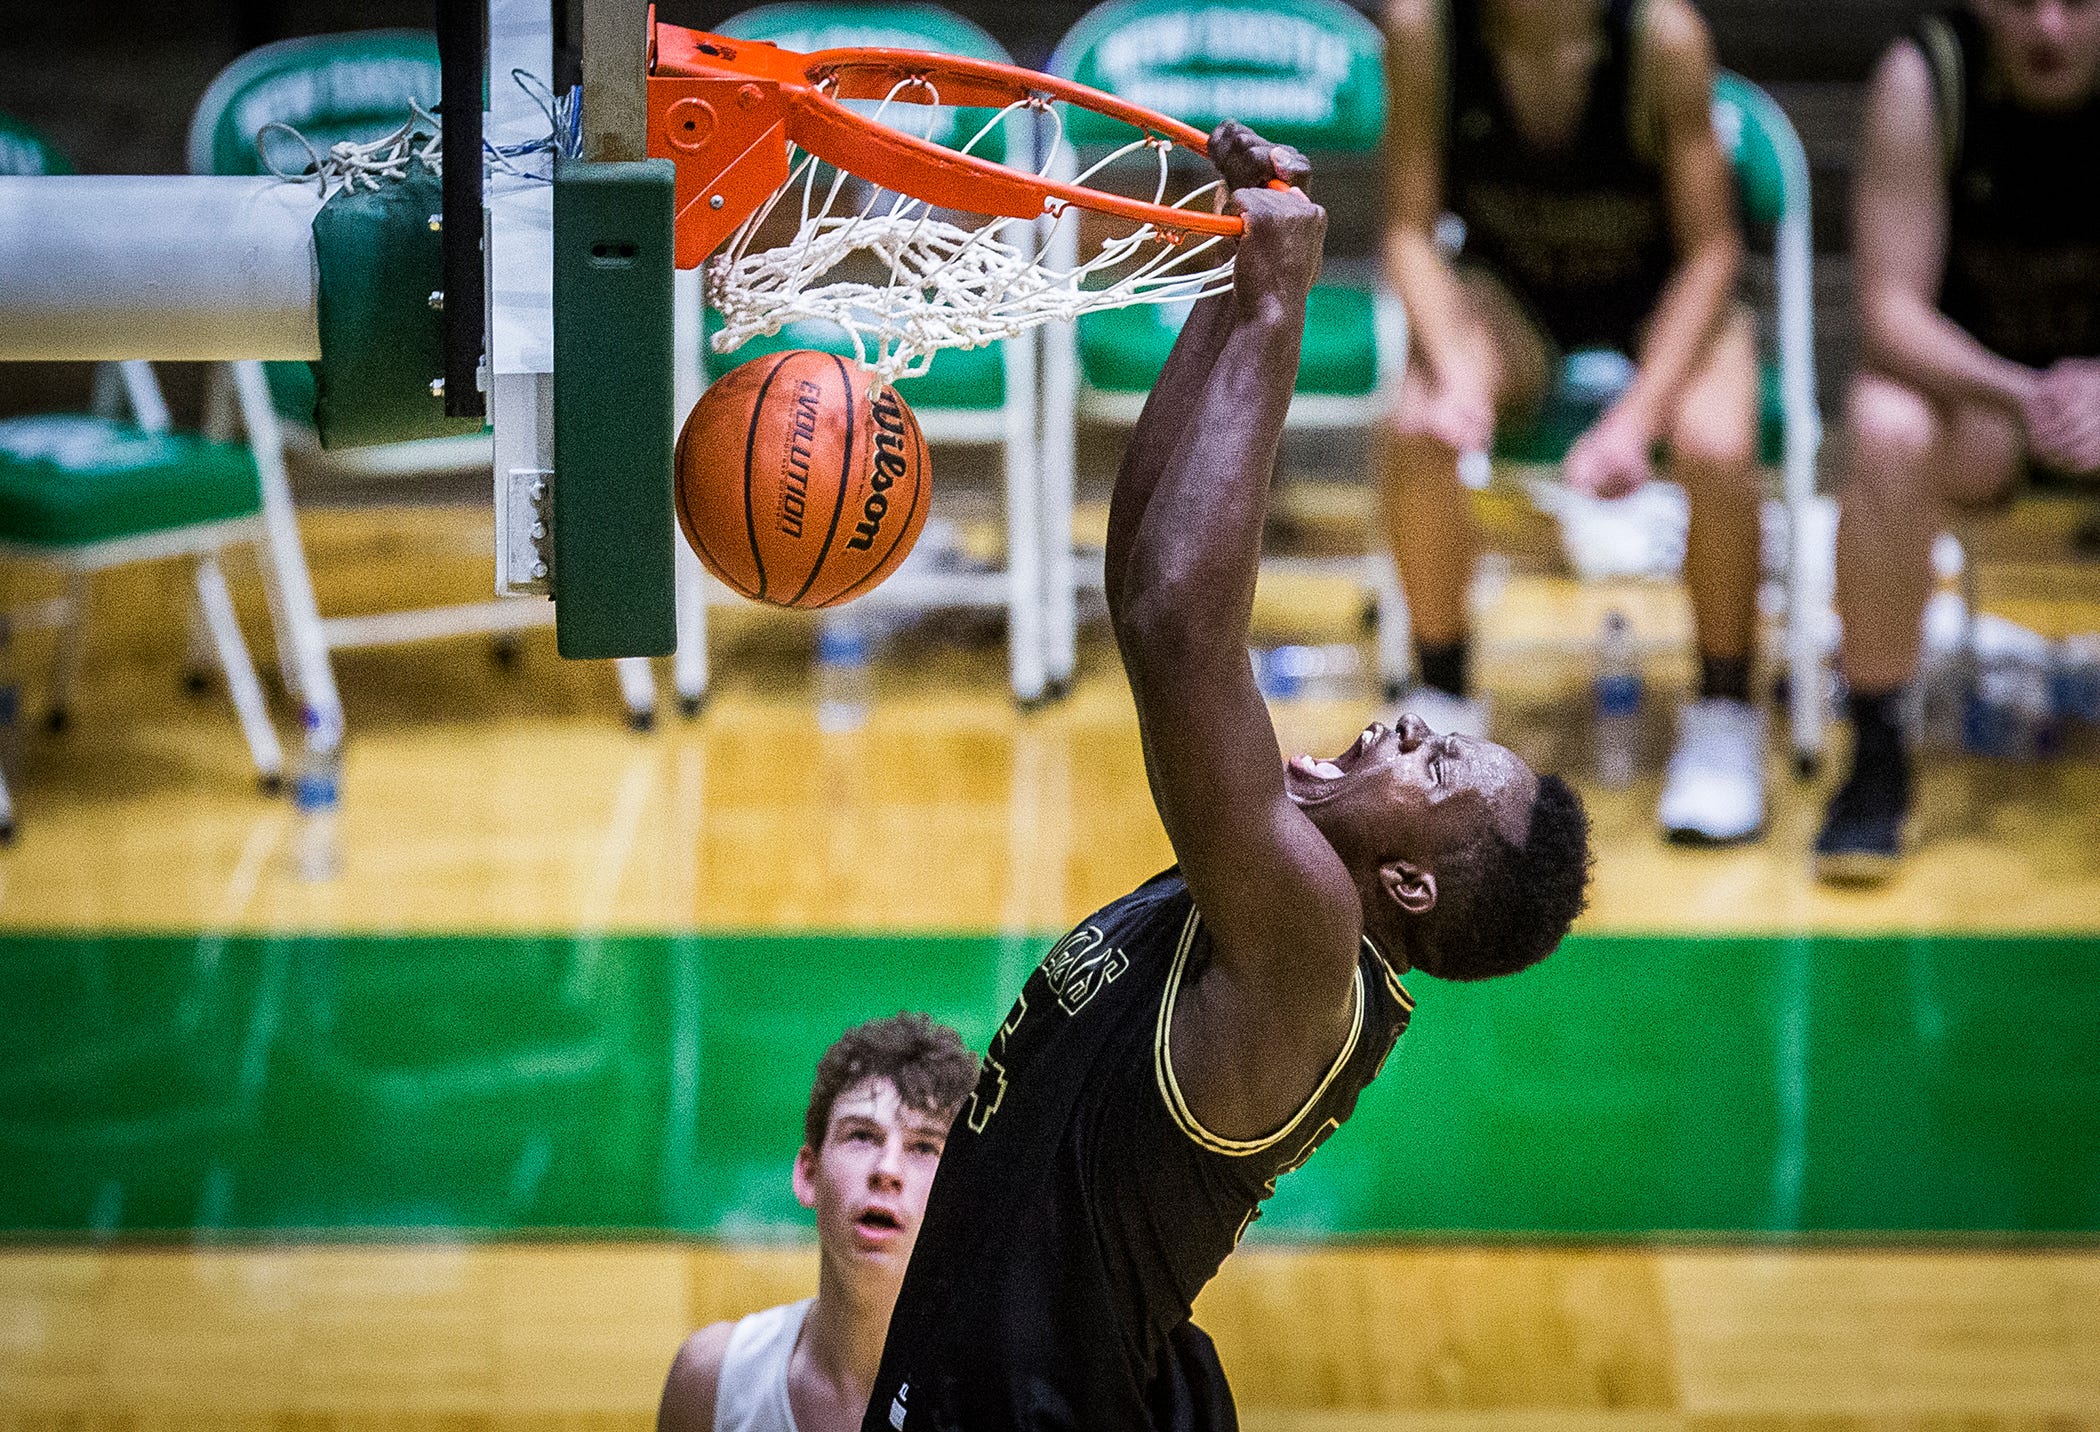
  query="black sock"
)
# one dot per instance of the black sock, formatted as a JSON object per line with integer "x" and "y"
{"x": 1724, "y": 678}
{"x": 1445, "y": 666}
{"x": 1877, "y": 727}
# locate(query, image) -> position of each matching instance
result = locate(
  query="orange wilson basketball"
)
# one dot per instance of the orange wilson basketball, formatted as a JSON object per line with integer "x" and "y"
{"x": 793, "y": 487}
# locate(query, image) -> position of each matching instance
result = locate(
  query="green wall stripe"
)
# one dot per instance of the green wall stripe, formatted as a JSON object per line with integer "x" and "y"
{"x": 652, "y": 1085}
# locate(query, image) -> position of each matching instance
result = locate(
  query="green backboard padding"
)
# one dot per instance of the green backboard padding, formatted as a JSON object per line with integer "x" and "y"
{"x": 1304, "y": 72}
{"x": 1634, "y": 1087}
{"x": 1123, "y": 349}
{"x": 328, "y": 87}
{"x": 612, "y": 409}
{"x": 1545, "y": 437}
{"x": 381, "y": 342}
{"x": 291, "y": 390}
{"x": 355, "y": 86}
{"x": 807, "y": 28}
{"x": 972, "y": 378}
{"x": 24, "y": 152}
{"x": 69, "y": 480}
{"x": 1750, "y": 126}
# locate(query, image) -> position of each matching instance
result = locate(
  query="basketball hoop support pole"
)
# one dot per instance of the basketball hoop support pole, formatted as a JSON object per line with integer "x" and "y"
{"x": 613, "y": 533}
{"x": 462, "y": 33}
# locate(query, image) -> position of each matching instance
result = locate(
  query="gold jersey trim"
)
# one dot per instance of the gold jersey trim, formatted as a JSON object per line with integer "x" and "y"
{"x": 1170, "y": 1087}
{"x": 1392, "y": 977}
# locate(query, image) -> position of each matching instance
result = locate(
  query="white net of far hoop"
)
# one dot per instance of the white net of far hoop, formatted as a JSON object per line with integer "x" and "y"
{"x": 905, "y": 280}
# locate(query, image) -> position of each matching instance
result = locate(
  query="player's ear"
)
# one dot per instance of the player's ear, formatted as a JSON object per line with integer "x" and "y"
{"x": 805, "y": 1177}
{"x": 1408, "y": 885}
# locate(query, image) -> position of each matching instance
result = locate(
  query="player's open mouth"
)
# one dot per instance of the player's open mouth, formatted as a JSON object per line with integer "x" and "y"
{"x": 1308, "y": 780}
{"x": 879, "y": 1221}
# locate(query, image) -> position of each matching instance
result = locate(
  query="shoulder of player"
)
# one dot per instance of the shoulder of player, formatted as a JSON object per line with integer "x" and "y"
{"x": 1677, "y": 50}
{"x": 1413, "y": 20}
{"x": 1901, "y": 86}
{"x": 1675, "y": 33}
{"x": 1903, "y": 120}
{"x": 694, "y": 1381}
{"x": 1292, "y": 976}
{"x": 1414, "y": 40}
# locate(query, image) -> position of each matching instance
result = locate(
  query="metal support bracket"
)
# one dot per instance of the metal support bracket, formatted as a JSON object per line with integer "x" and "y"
{"x": 524, "y": 534}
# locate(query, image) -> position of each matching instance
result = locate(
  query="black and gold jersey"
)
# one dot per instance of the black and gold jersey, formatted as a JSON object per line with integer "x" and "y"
{"x": 1579, "y": 233}
{"x": 1081, "y": 1205}
{"x": 2023, "y": 210}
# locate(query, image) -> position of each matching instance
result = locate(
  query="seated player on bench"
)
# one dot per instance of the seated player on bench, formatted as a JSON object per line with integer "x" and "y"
{"x": 1576, "y": 142}
{"x": 1976, "y": 238}
{"x": 878, "y": 1116}
{"x": 1190, "y": 1043}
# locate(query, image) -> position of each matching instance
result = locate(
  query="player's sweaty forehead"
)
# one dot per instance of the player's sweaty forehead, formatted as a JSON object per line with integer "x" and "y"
{"x": 875, "y": 1100}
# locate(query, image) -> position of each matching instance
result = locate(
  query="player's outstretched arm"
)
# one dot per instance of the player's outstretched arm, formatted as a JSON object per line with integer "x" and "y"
{"x": 1899, "y": 247}
{"x": 1282, "y": 910}
{"x": 1245, "y": 161}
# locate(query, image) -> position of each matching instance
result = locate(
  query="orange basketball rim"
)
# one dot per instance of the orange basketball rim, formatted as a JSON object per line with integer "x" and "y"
{"x": 725, "y": 111}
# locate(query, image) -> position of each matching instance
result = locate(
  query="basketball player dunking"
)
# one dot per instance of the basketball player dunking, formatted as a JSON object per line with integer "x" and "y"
{"x": 1198, "y": 1038}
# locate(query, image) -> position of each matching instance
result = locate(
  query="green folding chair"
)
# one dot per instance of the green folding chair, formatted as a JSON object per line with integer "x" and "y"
{"x": 1308, "y": 73}
{"x": 84, "y": 492}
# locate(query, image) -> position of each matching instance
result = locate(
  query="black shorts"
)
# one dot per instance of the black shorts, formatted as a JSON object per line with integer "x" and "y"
{"x": 1612, "y": 317}
{"x": 1189, "y": 1393}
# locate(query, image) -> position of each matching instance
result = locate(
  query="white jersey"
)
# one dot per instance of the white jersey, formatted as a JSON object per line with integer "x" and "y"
{"x": 753, "y": 1393}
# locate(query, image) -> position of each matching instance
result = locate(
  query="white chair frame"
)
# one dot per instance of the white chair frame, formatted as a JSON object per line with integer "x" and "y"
{"x": 214, "y": 626}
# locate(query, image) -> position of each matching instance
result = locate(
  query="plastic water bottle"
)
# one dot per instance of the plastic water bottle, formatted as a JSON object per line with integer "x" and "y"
{"x": 2009, "y": 713}
{"x": 316, "y": 801}
{"x": 1301, "y": 672}
{"x": 10, "y": 702}
{"x": 10, "y": 728}
{"x": 2074, "y": 679}
{"x": 1618, "y": 693}
{"x": 842, "y": 673}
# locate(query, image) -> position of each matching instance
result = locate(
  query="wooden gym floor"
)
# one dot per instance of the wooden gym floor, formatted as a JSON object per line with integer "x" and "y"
{"x": 1751, "y": 1155}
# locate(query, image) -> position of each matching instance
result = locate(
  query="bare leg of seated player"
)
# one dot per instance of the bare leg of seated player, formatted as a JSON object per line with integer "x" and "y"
{"x": 1911, "y": 466}
{"x": 1715, "y": 787}
{"x": 1428, "y": 516}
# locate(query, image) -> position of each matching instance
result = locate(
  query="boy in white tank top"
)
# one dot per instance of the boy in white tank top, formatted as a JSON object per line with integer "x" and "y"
{"x": 877, "y": 1120}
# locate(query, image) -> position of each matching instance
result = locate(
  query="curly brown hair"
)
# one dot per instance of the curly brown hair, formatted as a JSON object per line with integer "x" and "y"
{"x": 926, "y": 1060}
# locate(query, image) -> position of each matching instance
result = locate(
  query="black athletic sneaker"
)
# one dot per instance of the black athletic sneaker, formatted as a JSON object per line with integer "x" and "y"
{"x": 1863, "y": 828}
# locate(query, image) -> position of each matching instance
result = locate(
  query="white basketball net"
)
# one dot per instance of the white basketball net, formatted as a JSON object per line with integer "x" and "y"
{"x": 949, "y": 286}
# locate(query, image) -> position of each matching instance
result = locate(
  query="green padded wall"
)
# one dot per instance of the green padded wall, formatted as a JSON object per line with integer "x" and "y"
{"x": 613, "y": 409}
{"x": 1304, "y": 72}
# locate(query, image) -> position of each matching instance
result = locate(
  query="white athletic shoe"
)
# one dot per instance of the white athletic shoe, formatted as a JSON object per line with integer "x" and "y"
{"x": 1715, "y": 790}
{"x": 1446, "y": 714}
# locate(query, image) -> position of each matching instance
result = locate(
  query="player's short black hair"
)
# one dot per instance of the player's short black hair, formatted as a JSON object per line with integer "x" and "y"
{"x": 1502, "y": 907}
{"x": 925, "y": 1059}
